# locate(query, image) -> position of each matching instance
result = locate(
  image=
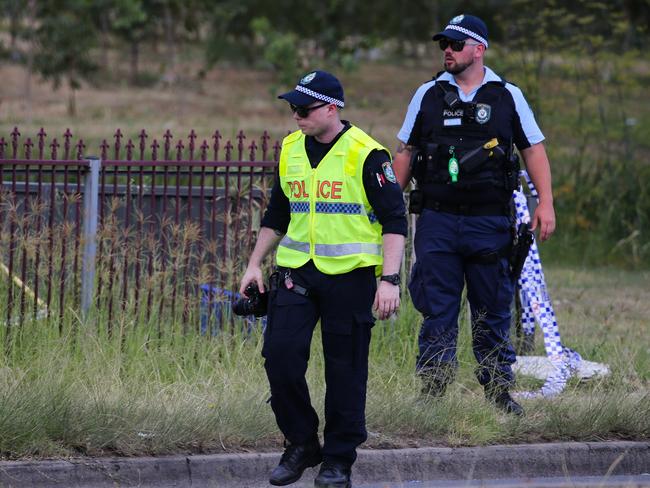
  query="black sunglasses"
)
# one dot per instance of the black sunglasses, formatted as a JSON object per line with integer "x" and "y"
{"x": 302, "y": 111}
{"x": 457, "y": 46}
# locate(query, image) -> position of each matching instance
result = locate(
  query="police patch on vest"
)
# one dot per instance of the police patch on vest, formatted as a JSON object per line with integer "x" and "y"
{"x": 483, "y": 112}
{"x": 388, "y": 172}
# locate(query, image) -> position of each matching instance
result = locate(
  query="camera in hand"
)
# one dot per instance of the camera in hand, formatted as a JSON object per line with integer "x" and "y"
{"x": 255, "y": 304}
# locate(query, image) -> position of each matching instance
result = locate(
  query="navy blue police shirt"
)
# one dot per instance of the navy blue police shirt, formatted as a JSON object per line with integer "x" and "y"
{"x": 385, "y": 196}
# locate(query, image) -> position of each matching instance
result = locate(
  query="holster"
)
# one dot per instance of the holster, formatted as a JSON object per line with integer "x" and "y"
{"x": 520, "y": 249}
{"x": 512, "y": 172}
{"x": 423, "y": 162}
{"x": 416, "y": 201}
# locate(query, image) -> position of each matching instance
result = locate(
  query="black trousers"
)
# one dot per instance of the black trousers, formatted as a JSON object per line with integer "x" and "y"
{"x": 343, "y": 304}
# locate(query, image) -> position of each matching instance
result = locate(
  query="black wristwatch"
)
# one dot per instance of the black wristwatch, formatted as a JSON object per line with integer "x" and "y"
{"x": 393, "y": 279}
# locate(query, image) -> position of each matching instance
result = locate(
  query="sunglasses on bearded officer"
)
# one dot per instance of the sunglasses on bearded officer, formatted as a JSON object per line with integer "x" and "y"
{"x": 457, "y": 46}
{"x": 302, "y": 111}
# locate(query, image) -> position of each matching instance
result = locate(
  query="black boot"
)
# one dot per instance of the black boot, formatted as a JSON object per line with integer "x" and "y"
{"x": 436, "y": 379}
{"x": 333, "y": 475}
{"x": 433, "y": 387}
{"x": 501, "y": 399}
{"x": 296, "y": 458}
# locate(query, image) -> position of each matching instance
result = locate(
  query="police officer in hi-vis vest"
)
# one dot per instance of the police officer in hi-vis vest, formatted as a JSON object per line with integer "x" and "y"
{"x": 337, "y": 218}
{"x": 457, "y": 143}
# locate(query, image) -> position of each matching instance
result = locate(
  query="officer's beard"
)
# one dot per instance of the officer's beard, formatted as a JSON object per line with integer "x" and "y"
{"x": 458, "y": 68}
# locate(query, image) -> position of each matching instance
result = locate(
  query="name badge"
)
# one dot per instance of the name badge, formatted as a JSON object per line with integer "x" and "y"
{"x": 452, "y": 122}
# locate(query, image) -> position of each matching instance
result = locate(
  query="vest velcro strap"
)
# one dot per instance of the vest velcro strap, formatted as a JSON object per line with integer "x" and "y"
{"x": 335, "y": 250}
{"x": 294, "y": 245}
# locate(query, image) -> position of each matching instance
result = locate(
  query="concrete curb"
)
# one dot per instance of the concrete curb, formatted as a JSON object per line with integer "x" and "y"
{"x": 396, "y": 465}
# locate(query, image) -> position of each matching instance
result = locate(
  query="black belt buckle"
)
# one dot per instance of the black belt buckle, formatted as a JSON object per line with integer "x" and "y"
{"x": 464, "y": 209}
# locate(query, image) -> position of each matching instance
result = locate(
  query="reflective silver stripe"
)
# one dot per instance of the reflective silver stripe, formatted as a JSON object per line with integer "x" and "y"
{"x": 333, "y": 250}
{"x": 295, "y": 245}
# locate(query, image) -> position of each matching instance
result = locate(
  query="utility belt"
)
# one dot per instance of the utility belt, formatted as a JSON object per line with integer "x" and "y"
{"x": 476, "y": 209}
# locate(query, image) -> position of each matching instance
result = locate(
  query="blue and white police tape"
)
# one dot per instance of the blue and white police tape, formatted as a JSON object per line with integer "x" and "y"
{"x": 561, "y": 362}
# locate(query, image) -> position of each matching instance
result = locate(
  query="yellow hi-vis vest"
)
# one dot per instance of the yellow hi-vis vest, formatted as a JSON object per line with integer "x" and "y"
{"x": 332, "y": 222}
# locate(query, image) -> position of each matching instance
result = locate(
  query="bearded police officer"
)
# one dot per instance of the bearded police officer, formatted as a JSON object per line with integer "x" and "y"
{"x": 336, "y": 216}
{"x": 457, "y": 143}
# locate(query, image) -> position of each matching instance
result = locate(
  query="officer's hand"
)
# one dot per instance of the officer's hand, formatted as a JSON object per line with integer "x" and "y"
{"x": 386, "y": 300}
{"x": 544, "y": 218}
{"x": 252, "y": 274}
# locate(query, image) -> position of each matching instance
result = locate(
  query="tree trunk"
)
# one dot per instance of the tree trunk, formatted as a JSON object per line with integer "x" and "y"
{"x": 14, "y": 28}
{"x": 29, "y": 60}
{"x": 135, "y": 59}
{"x": 170, "y": 41}
{"x": 72, "y": 101}
{"x": 104, "y": 43}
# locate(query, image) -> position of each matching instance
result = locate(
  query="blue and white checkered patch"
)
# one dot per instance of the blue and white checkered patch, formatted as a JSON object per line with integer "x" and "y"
{"x": 299, "y": 207}
{"x": 338, "y": 208}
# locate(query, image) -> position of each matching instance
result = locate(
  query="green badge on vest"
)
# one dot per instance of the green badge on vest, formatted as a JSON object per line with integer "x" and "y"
{"x": 453, "y": 165}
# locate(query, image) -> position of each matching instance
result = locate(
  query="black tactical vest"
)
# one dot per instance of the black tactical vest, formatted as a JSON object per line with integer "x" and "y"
{"x": 477, "y": 134}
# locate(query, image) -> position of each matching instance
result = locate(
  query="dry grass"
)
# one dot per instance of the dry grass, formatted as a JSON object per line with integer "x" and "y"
{"x": 227, "y": 99}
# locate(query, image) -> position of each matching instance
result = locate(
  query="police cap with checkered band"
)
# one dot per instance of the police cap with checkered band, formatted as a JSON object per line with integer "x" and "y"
{"x": 463, "y": 26}
{"x": 316, "y": 86}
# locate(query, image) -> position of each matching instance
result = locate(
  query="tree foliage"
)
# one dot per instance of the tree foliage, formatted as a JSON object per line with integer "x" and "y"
{"x": 330, "y": 32}
{"x": 64, "y": 38}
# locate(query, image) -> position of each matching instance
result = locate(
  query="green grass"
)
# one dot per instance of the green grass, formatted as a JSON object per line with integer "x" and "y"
{"x": 87, "y": 394}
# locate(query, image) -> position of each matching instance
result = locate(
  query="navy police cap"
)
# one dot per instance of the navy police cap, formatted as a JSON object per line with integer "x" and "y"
{"x": 463, "y": 26}
{"x": 315, "y": 86}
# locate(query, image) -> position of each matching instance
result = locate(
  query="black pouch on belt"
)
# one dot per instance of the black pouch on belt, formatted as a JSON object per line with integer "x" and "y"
{"x": 416, "y": 201}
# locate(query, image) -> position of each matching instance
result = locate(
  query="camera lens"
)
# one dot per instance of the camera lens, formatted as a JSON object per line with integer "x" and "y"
{"x": 255, "y": 304}
{"x": 242, "y": 307}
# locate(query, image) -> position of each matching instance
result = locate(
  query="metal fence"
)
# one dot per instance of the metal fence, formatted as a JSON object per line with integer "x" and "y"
{"x": 137, "y": 229}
